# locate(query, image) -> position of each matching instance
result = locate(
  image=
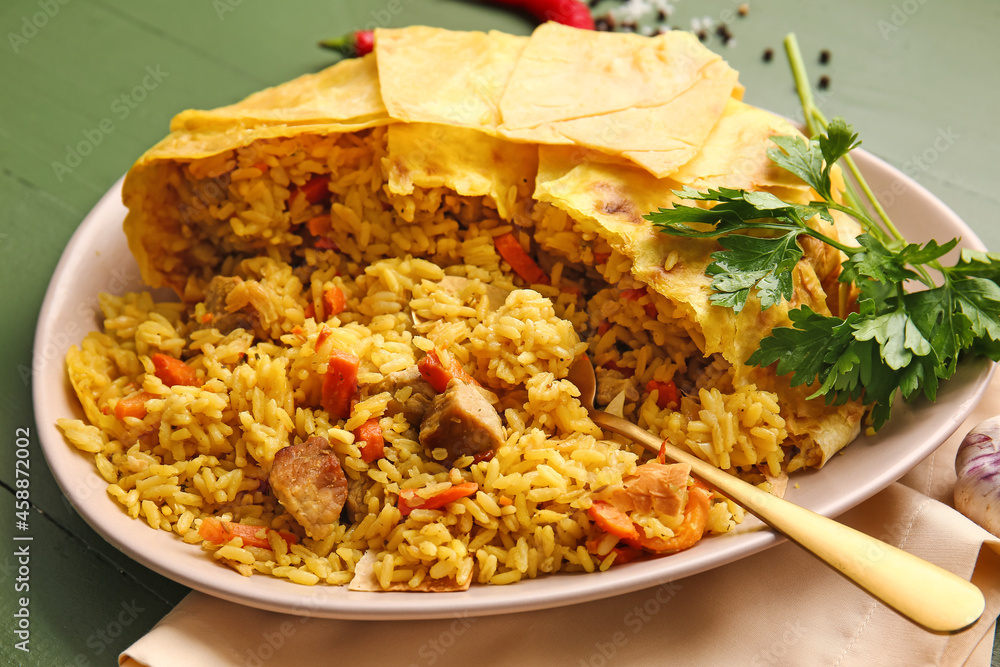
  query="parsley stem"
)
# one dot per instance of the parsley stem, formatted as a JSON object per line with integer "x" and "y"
{"x": 846, "y": 249}
{"x": 815, "y": 120}
{"x": 801, "y": 82}
{"x": 865, "y": 188}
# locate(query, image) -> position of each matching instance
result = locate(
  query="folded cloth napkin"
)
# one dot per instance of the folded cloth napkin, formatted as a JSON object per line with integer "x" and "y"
{"x": 777, "y": 607}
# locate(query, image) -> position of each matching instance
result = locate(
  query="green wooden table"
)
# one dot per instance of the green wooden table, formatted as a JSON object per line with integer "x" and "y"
{"x": 87, "y": 85}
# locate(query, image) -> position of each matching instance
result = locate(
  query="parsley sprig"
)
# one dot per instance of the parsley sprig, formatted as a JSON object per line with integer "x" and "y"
{"x": 896, "y": 340}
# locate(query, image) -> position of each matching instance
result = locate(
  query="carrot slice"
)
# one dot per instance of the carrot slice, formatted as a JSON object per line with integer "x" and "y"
{"x": 318, "y": 225}
{"x": 439, "y": 368}
{"x": 409, "y": 500}
{"x": 219, "y": 532}
{"x": 340, "y": 384}
{"x": 667, "y": 395}
{"x": 334, "y": 301}
{"x": 370, "y": 440}
{"x": 173, "y": 371}
{"x": 612, "y": 520}
{"x": 520, "y": 262}
{"x": 133, "y": 405}
{"x": 689, "y": 532}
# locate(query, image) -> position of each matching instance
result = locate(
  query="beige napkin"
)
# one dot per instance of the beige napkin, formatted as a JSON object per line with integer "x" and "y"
{"x": 778, "y": 607}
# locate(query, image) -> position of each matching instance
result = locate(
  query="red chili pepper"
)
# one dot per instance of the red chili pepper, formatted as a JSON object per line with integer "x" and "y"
{"x": 352, "y": 45}
{"x": 574, "y": 13}
{"x": 568, "y": 12}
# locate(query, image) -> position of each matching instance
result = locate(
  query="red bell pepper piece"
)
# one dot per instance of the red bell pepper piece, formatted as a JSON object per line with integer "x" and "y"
{"x": 667, "y": 396}
{"x": 439, "y": 368}
{"x": 370, "y": 440}
{"x": 520, "y": 262}
{"x": 315, "y": 189}
{"x": 340, "y": 384}
{"x": 409, "y": 500}
{"x": 334, "y": 301}
{"x": 220, "y": 532}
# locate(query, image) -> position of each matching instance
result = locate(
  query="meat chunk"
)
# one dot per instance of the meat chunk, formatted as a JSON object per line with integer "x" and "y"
{"x": 610, "y": 383}
{"x": 416, "y": 400}
{"x": 655, "y": 488}
{"x": 226, "y": 315}
{"x": 461, "y": 421}
{"x": 309, "y": 482}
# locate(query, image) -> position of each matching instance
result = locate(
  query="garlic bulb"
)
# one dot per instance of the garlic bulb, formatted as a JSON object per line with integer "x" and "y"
{"x": 977, "y": 491}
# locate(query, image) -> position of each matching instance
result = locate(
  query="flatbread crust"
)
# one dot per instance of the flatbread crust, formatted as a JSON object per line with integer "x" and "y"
{"x": 505, "y": 117}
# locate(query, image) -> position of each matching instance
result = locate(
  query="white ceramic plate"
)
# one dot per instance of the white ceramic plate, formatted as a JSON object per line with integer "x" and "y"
{"x": 97, "y": 259}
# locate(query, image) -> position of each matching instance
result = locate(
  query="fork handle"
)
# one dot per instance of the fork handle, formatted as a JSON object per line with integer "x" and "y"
{"x": 927, "y": 594}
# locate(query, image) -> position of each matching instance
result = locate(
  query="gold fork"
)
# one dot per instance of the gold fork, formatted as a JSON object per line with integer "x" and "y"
{"x": 928, "y": 595}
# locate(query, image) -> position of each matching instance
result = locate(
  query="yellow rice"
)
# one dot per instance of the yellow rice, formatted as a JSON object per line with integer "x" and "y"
{"x": 204, "y": 451}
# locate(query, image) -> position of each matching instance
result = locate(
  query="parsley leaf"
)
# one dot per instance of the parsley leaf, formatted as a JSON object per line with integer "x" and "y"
{"x": 759, "y": 236}
{"x": 979, "y": 263}
{"x": 750, "y": 262}
{"x": 896, "y": 341}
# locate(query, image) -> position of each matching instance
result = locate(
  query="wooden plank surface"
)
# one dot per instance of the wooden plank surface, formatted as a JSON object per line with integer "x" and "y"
{"x": 88, "y": 85}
